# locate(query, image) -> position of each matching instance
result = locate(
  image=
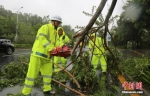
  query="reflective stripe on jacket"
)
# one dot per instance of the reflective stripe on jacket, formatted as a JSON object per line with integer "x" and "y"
{"x": 45, "y": 41}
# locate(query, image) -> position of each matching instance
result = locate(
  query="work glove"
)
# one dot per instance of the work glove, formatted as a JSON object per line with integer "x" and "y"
{"x": 56, "y": 51}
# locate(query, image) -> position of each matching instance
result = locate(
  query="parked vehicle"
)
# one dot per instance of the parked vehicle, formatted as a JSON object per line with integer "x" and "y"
{"x": 6, "y": 46}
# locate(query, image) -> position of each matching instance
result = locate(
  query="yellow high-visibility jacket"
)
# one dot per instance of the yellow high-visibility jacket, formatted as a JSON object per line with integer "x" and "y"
{"x": 45, "y": 41}
{"x": 63, "y": 39}
{"x": 99, "y": 44}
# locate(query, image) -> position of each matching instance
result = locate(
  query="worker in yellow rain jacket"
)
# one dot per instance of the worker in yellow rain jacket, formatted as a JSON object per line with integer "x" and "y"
{"x": 98, "y": 57}
{"x": 62, "y": 40}
{"x": 40, "y": 59}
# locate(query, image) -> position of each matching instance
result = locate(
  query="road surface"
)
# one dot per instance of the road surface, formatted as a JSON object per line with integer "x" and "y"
{"x": 6, "y": 59}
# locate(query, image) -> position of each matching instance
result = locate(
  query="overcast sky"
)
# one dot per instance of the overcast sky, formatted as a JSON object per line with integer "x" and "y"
{"x": 69, "y": 10}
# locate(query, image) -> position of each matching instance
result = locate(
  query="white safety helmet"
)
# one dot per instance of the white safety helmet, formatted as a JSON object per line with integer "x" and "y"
{"x": 57, "y": 18}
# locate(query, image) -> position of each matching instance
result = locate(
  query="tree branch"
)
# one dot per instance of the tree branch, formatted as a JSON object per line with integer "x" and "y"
{"x": 110, "y": 11}
{"x": 88, "y": 27}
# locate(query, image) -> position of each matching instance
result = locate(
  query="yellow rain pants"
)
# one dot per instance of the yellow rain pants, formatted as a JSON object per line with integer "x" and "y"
{"x": 61, "y": 61}
{"x": 37, "y": 64}
{"x": 95, "y": 61}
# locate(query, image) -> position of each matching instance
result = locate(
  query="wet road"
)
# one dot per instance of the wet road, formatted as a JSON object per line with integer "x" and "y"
{"x": 6, "y": 59}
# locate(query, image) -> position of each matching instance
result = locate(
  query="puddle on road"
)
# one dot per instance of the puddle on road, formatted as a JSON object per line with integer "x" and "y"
{"x": 7, "y": 59}
{"x": 17, "y": 89}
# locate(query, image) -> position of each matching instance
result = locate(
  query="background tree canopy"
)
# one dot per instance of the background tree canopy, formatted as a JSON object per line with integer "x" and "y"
{"x": 134, "y": 24}
{"x": 28, "y": 26}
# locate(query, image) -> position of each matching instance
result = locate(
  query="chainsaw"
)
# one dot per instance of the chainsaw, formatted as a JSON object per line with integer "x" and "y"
{"x": 63, "y": 51}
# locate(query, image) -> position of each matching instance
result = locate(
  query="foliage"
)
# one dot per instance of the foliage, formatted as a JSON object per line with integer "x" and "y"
{"x": 137, "y": 69}
{"x": 112, "y": 59}
{"x": 133, "y": 24}
{"x": 23, "y": 45}
{"x": 133, "y": 69}
{"x": 7, "y": 27}
{"x": 61, "y": 76}
{"x": 88, "y": 79}
{"x": 15, "y": 73}
{"x": 12, "y": 74}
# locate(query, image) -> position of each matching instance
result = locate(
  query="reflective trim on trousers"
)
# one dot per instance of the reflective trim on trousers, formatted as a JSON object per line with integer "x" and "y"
{"x": 30, "y": 79}
{"x": 28, "y": 86}
{"x": 29, "y": 82}
{"x": 46, "y": 76}
{"x": 46, "y": 83}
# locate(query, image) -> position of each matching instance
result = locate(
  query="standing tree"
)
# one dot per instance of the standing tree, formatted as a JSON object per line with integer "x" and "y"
{"x": 133, "y": 22}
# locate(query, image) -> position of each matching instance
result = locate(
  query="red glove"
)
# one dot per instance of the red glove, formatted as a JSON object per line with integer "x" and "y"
{"x": 56, "y": 51}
